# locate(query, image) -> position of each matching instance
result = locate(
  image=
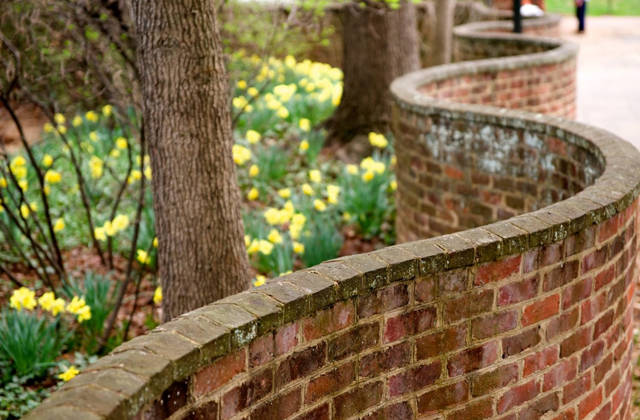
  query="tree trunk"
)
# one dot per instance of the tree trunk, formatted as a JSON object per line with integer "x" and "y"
{"x": 444, "y": 31}
{"x": 187, "y": 122}
{"x": 380, "y": 45}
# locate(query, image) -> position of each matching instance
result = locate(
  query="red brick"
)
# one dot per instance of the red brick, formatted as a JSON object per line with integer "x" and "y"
{"x": 328, "y": 321}
{"x": 454, "y": 173}
{"x": 591, "y": 356}
{"x": 562, "y": 323}
{"x": 518, "y": 343}
{"x": 239, "y": 398}
{"x": 539, "y": 361}
{"x": 494, "y": 324}
{"x": 441, "y": 342}
{"x": 541, "y": 407}
{"x": 594, "y": 260}
{"x": 589, "y": 403}
{"x": 286, "y": 338}
{"x": 353, "y": 341}
{"x": 468, "y": 305}
{"x": 385, "y": 299}
{"x": 531, "y": 261}
{"x": 577, "y": 388}
{"x": 603, "y": 324}
{"x": 581, "y": 241}
{"x": 605, "y": 277}
{"x": 399, "y": 411}
{"x": 561, "y": 275}
{"x": 497, "y": 378}
{"x": 281, "y": 406}
{"x": 301, "y": 364}
{"x": 563, "y": 372}
{"x": 335, "y": 380}
{"x": 577, "y": 292}
{"x": 480, "y": 409}
{"x": 219, "y": 373}
{"x": 356, "y": 401}
{"x": 604, "y": 413}
{"x": 441, "y": 398}
{"x": 409, "y": 323}
{"x": 568, "y": 414}
{"x": 453, "y": 281}
{"x": 551, "y": 254}
{"x": 498, "y": 270}
{"x": 541, "y": 310}
{"x": 261, "y": 350}
{"x": 414, "y": 379}
{"x": 473, "y": 359}
{"x": 593, "y": 307}
{"x": 426, "y": 289}
{"x": 575, "y": 342}
{"x": 608, "y": 228}
{"x": 385, "y": 360}
{"x": 612, "y": 381}
{"x": 518, "y": 395}
{"x": 518, "y": 291}
{"x": 319, "y": 413}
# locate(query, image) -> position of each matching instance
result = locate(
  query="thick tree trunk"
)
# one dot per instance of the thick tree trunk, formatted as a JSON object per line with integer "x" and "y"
{"x": 380, "y": 45}
{"x": 187, "y": 122}
{"x": 444, "y": 31}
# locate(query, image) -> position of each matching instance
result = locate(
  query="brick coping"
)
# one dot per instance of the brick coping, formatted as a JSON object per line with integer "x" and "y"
{"x": 119, "y": 385}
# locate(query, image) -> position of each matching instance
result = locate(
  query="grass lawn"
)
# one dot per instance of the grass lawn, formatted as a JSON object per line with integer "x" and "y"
{"x": 597, "y": 7}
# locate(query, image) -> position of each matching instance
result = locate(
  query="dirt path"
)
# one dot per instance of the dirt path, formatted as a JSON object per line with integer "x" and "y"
{"x": 609, "y": 73}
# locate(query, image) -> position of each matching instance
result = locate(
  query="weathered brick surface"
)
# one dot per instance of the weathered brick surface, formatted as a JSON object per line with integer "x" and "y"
{"x": 526, "y": 318}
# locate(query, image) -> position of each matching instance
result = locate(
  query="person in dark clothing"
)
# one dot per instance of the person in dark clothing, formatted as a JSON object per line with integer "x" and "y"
{"x": 581, "y": 10}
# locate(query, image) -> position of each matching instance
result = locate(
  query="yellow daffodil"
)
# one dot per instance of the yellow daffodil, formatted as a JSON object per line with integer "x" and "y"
{"x": 367, "y": 176}
{"x": 247, "y": 240}
{"x": 52, "y": 177}
{"x": 272, "y": 216}
{"x": 115, "y": 153}
{"x": 96, "y": 166}
{"x": 378, "y": 140}
{"x": 298, "y": 248}
{"x": 147, "y": 173}
{"x": 252, "y": 91}
{"x": 155, "y": 242}
{"x": 393, "y": 185}
{"x": 304, "y": 145}
{"x": 253, "y": 194}
{"x": 143, "y": 257}
{"x": 3, "y": 182}
{"x": 239, "y": 102}
{"x": 69, "y": 374}
{"x": 332, "y": 193}
{"x": 58, "y": 225}
{"x": 48, "y": 128}
{"x": 100, "y": 234}
{"x": 240, "y": 154}
{"x": 275, "y": 237}
{"x": 75, "y": 305}
{"x": 157, "y": 295}
{"x": 346, "y": 217}
{"x": 24, "y": 185}
{"x": 241, "y": 84}
{"x": 23, "y": 298}
{"x": 122, "y": 143}
{"x": 135, "y": 175}
{"x": 254, "y": 170}
{"x": 58, "y": 306}
{"x": 265, "y": 247}
{"x": 47, "y": 160}
{"x": 315, "y": 176}
{"x": 25, "y": 211}
{"x": 298, "y": 219}
{"x": 307, "y": 190}
{"x": 394, "y": 160}
{"x": 107, "y": 110}
{"x": 109, "y": 229}
{"x": 120, "y": 222}
{"x": 319, "y": 205}
{"x": 93, "y": 136}
{"x": 253, "y": 247}
{"x": 59, "y": 119}
{"x": 284, "y": 193}
{"x": 77, "y": 121}
{"x": 304, "y": 124}
{"x": 282, "y": 112}
{"x": 49, "y": 303}
{"x": 17, "y": 162}
{"x": 352, "y": 169}
{"x": 91, "y": 116}
{"x": 61, "y": 129}
{"x": 253, "y": 136}
{"x": 260, "y": 280}
{"x": 84, "y": 314}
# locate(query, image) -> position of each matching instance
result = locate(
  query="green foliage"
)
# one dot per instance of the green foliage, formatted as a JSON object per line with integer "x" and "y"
{"x": 322, "y": 241}
{"x": 273, "y": 163}
{"x": 30, "y": 343}
{"x": 96, "y": 290}
{"x": 16, "y": 400}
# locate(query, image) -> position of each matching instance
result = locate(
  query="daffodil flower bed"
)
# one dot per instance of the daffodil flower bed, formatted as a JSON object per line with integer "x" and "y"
{"x": 299, "y": 205}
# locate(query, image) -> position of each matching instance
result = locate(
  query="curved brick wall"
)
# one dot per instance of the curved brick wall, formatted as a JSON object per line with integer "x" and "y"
{"x": 519, "y": 319}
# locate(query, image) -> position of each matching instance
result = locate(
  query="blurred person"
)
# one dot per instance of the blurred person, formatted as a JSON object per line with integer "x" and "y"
{"x": 581, "y": 11}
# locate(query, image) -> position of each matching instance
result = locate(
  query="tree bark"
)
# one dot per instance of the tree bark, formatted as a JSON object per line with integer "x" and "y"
{"x": 444, "y": 31}
{"x": 187, "y": 122}
{"x": 380, "y": 45}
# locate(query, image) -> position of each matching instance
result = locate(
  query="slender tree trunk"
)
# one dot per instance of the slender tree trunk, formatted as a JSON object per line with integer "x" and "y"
{"x": 380, "y": 45}
{"x": 444, "y": 31}
{"x": 187, "y": 122}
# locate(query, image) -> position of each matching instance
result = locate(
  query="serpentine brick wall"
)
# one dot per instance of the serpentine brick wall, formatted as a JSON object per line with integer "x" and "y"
{"x": 524, "y": 318}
